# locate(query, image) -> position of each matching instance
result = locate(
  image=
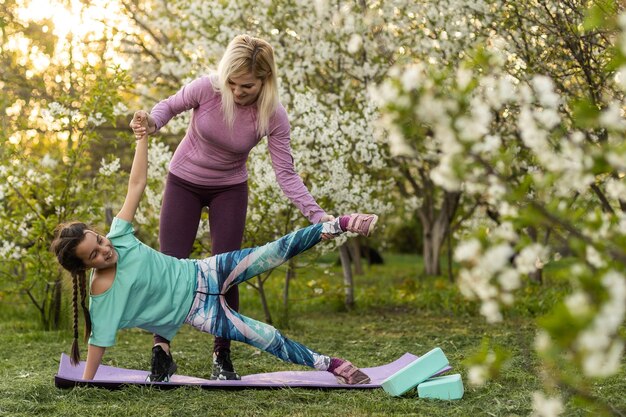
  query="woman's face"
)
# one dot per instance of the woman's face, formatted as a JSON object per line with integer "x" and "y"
{"x": 245, "y": 88}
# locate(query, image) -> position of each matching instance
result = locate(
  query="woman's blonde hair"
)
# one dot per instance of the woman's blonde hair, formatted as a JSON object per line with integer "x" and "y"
{"x": 246, "y": 54}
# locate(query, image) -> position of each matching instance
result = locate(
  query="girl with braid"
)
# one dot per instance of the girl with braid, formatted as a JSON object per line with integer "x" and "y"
{"x": 133, "y": 285}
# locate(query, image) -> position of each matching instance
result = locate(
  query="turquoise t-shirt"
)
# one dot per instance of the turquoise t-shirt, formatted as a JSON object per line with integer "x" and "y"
{"x": 151, "y": 290}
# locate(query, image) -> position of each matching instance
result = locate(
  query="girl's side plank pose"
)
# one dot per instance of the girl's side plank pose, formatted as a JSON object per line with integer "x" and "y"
{"x": 133, "y": 285}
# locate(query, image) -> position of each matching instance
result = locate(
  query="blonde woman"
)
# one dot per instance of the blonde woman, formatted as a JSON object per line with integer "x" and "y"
{"x": 232, "y": 110}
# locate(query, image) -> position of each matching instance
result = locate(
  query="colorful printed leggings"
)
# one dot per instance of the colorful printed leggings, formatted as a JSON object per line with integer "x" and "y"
{"x": 211, "y": 314}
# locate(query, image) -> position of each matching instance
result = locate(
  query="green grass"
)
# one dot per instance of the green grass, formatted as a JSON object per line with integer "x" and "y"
{"x": 395, "y": 313}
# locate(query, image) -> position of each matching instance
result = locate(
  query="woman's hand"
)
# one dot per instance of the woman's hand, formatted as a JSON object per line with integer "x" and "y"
{"x": 327, "y": 218}
{"x": 142, "y": 124}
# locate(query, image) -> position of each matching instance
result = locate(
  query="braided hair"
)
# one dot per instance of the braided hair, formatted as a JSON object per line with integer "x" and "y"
{"x": 67, "y": 236}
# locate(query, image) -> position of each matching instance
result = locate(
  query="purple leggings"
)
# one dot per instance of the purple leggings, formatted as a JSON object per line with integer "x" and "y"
{"x": 183, "y": 202}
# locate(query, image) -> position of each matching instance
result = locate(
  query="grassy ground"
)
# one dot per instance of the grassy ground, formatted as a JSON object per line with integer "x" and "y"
{"x": 396, "y": 313}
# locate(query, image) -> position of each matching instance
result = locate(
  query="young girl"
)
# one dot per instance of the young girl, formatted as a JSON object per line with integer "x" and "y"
{"x": 133, "y": 285}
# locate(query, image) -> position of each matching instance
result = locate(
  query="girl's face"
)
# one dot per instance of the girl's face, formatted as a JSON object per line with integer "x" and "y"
{"x": 96, "y": 251}
{"x": 245, "y": 88}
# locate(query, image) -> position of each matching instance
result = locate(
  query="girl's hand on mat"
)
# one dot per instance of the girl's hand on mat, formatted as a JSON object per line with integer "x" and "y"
{"x": 327, "y": 218}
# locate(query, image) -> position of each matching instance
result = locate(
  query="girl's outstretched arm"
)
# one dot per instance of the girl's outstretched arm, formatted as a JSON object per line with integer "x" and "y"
{"x": 94, "y": 359}
{"x": 138, "y": 172}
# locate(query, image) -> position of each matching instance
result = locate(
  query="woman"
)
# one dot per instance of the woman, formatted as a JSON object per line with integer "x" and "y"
{"x": 232, "y": 111}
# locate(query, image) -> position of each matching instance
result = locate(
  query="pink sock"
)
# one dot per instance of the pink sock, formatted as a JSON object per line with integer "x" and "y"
{"x": 343, "y": 222}
{"x": 334, "y": 364}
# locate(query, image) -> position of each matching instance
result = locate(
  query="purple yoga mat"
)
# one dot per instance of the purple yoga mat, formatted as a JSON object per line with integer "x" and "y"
{"x": 113, "y": 378}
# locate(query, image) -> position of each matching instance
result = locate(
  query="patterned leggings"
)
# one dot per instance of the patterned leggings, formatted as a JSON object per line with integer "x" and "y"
{"x": 211, "y": 314}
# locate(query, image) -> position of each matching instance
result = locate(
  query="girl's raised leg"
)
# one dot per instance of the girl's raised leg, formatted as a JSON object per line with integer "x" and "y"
{"x": 235, "y": 267}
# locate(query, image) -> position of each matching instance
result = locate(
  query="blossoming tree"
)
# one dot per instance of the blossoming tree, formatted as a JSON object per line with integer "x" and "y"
{"x": 57, "y": 92}
{"x": 541, "y": 152}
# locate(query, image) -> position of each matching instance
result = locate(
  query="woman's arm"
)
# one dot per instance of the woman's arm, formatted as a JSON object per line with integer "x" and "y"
{"x": 289, "y": 180}
{"x": 138, "y": 172}
{"x": 94, "y": 359}
{"x": 190, "y": 96}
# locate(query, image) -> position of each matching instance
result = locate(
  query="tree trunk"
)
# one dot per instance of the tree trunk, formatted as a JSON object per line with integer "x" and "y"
{"x": 433, "y": 237}
{"x": 108, "y": 215}
{"x": 344, "y": 255}
{"x": 450, "y": 274}
{"x": 537, "y": 275}
{"x": 266, "y": 309}
{"x": 435, "y": 228}
{"x": 54, "y": 309}
{"x": 355, "y": 256}
{"x": 291, "y": 273}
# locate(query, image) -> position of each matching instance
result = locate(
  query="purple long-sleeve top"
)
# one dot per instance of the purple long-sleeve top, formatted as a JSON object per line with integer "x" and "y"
{"x": 211, "y": 153}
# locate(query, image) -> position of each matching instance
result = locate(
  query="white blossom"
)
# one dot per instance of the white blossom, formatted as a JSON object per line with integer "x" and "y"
{"x": 621, "y": 20}
{"x": 467, "y": 251}
{"x": 620, "y": 77}
{"x": 120, "y": 109}
{"x": 496, "y": 257}
{"x": 602, "y": 351}
{"x": 543, "y": 341}
{"x": 578, "y": 304}
{"x": 612, "y": 117}
{"x": 48, "y": 162}
{"x": 108, "y": 169}
{"x": 617, "y": 160}
{"x": 546, "y": 406}
{"x": 531, "y": 258}
{"x": 549, "y": 118}
{"x": 604, "y": 363}
{"x": 490, "y": 143}
{"x": 96, "y": 119}
{"x": 544, "y": 87}
{"x": 616, "y": 189}
{"x": 477, "y": 375}
{"x": 491, "y": 310}
{"x": 594, "y": 257}
{"x": 412, "y": 76}
{"x": 321, "y": 7}
{"x": 505, "y": 231}
{"x": 354, "y": 44}
{"x": 509, "y": 279}
{"x": 445, "y": 176}
{"x": 56, "y": 109}
{"x": 463, "y": 77}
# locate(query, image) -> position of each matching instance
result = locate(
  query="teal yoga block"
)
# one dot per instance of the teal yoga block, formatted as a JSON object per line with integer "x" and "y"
{"x": 449, "y": 387}
{"x": 417, "y": 371}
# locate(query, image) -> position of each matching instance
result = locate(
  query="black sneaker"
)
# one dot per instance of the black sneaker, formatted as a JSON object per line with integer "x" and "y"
{"x": 223, "y": 367}
{"x": 163, "y": 366}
